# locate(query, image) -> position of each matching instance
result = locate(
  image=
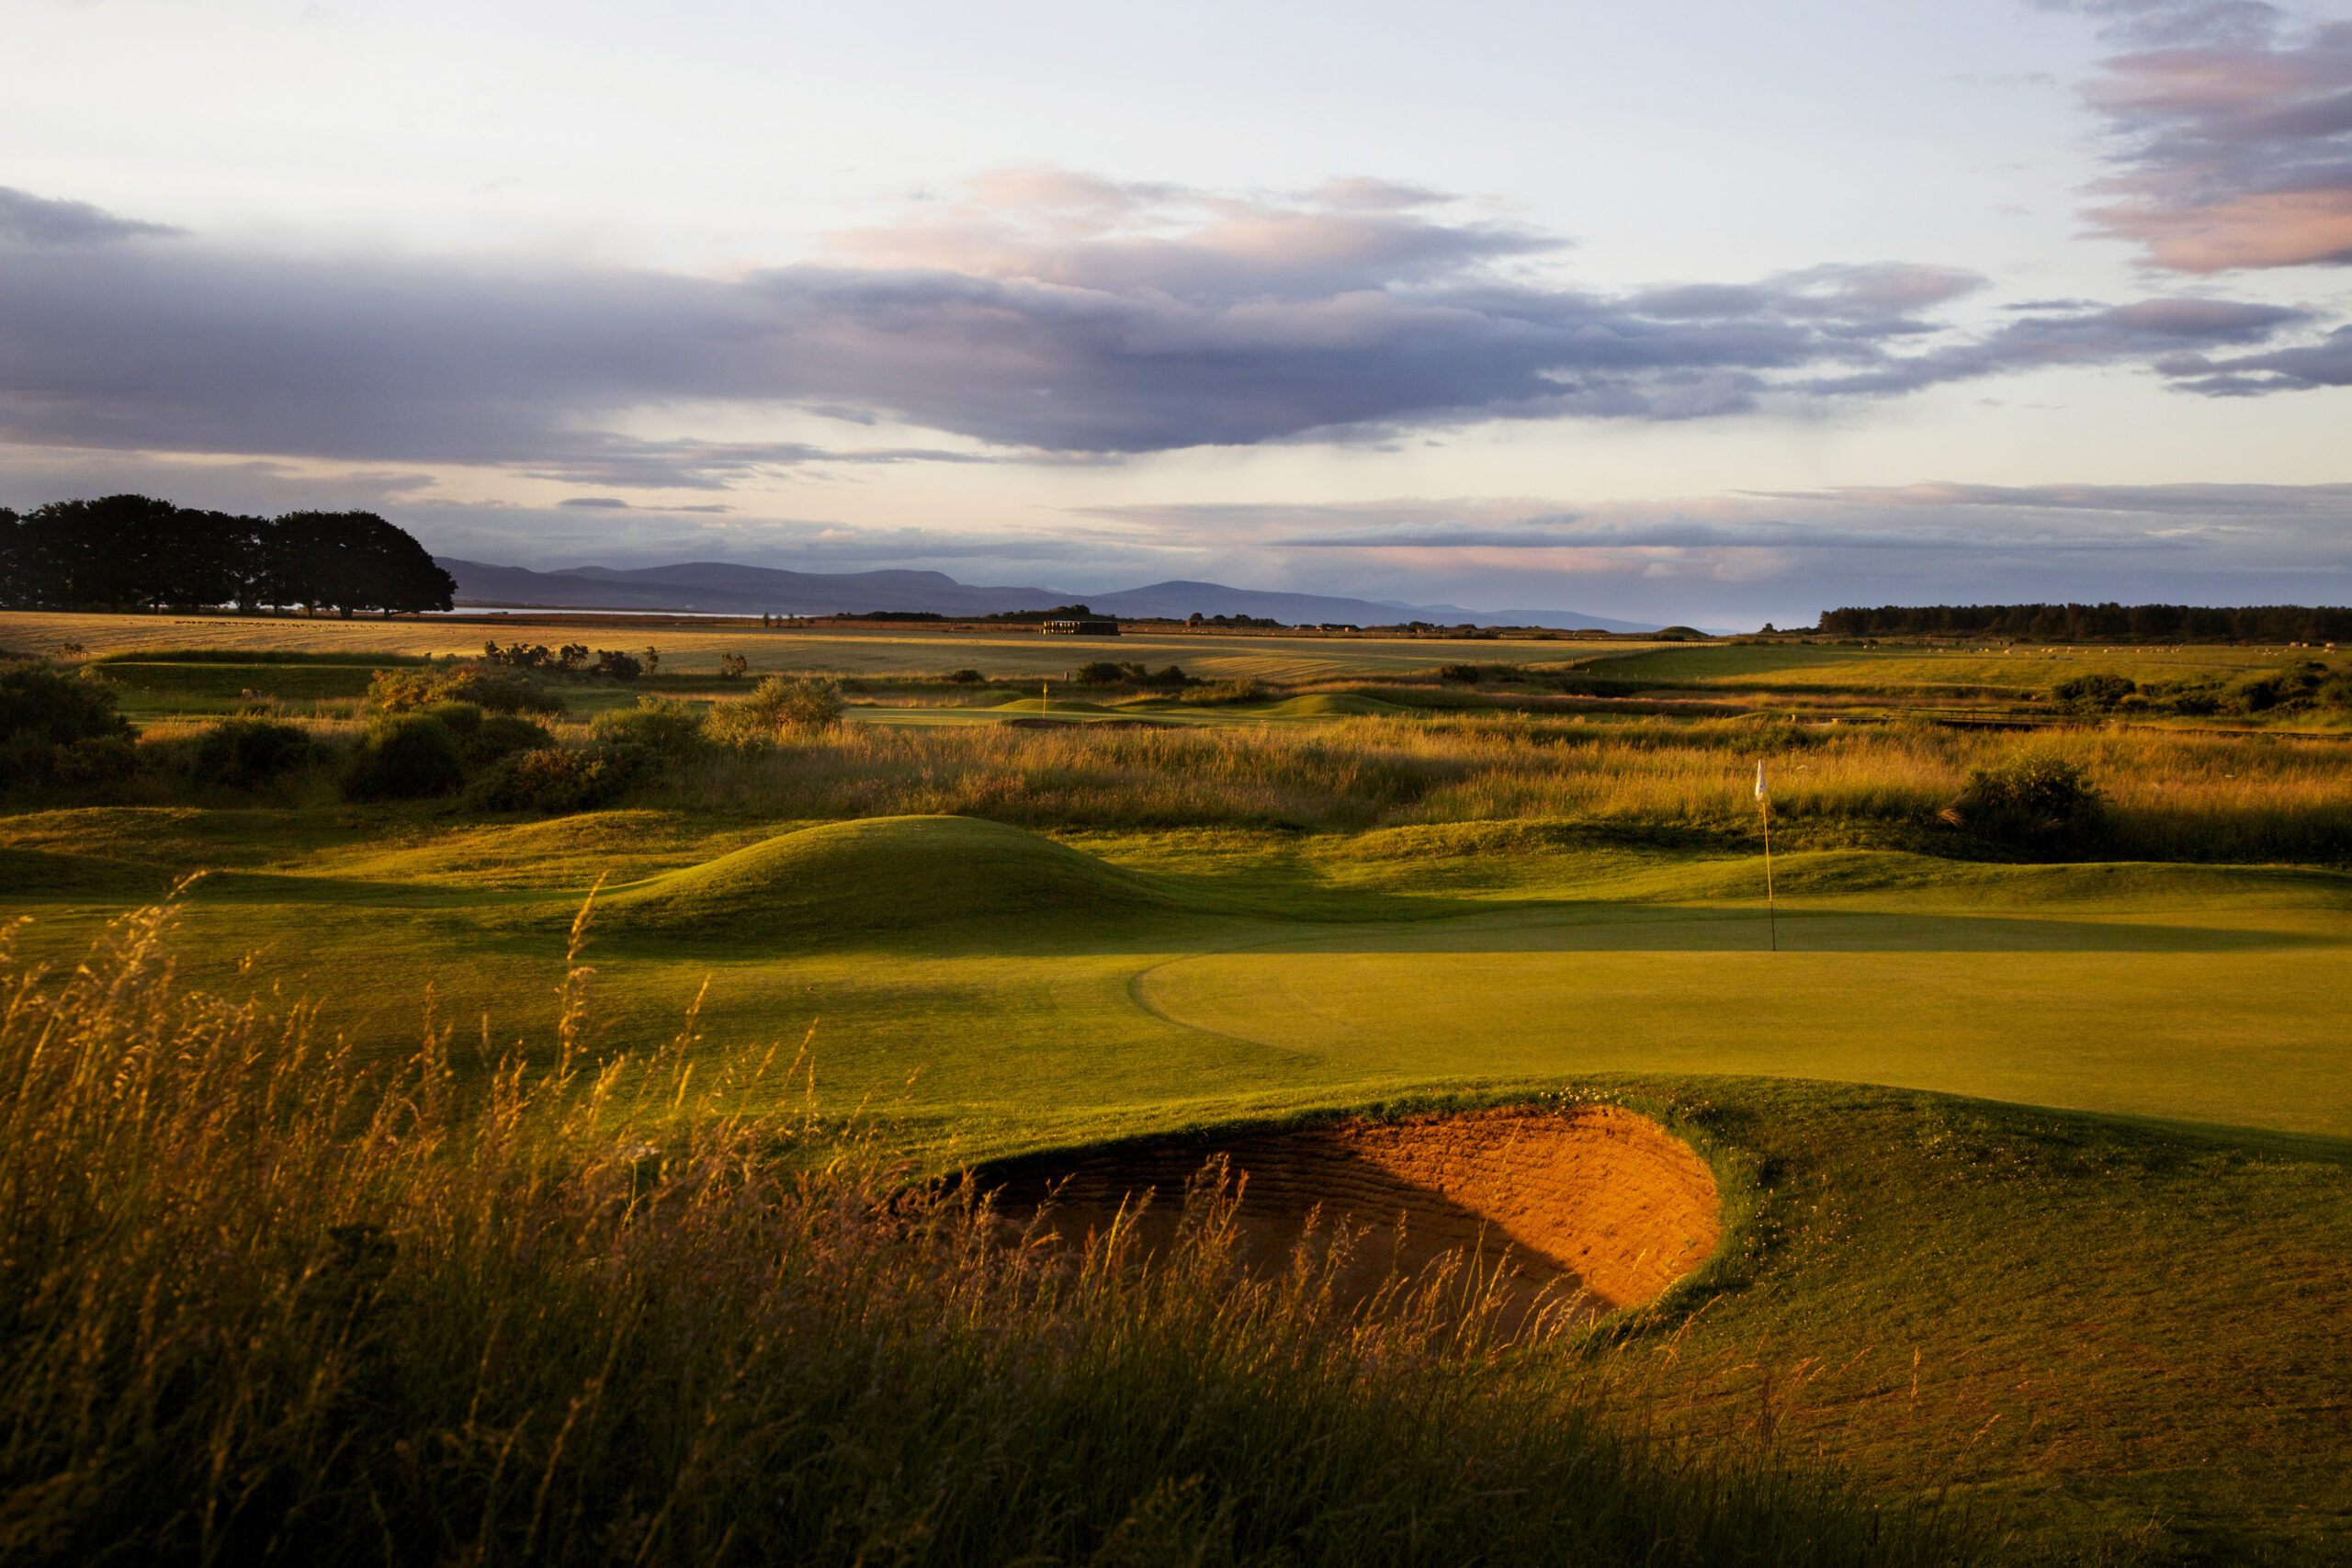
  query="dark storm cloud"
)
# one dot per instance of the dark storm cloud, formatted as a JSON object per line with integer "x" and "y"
{"x": 1059, "y": 315}
{"x": 2232, "y": 139}
{"x": 26, "y": 220}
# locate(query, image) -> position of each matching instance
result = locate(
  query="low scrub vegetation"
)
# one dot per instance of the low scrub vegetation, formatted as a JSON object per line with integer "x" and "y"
{"x": 260, "y": 1306}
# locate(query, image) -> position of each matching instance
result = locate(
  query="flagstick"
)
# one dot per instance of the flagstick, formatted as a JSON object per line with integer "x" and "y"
{"x": 1771, "y": 915}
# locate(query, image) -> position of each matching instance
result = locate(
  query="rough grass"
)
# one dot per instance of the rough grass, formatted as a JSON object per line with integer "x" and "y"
{"x": 2185, "y": 797}
{"x": 259, "y": 1305}
{"x": 824, "y": 651}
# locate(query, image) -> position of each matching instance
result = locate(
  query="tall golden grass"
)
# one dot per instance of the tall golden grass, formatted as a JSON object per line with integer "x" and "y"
{"x": 2183, "y": 797}
{"x": 257, "y": 1304}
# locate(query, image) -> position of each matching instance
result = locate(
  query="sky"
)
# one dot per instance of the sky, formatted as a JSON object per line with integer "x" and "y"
{"x": 1694, "y": 311}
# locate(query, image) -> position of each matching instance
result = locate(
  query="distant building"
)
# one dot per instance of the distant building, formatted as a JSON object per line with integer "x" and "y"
{"x": 1089, "y": 627}
{"x": 1334, "y": 626}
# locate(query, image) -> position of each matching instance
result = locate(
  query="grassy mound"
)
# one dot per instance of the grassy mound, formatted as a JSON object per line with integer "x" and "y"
{"x": 935, "y": 875}
{"x": 1335, "y": 705}
{"x": 1051, "y": 705}
{"x": 1835, "y": 874}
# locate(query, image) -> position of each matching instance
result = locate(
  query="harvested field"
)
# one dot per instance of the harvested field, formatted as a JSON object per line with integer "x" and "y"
{"x": 1590, "y": 1209}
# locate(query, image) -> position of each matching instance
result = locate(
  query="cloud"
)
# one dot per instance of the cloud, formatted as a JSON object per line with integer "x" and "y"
{"x": 2327, "y": 363}
{"x": 2277, "y": 504}
{"x": 26, "y": 220}
{"x": 1680, "y": 533}
{"x": 2234, "y": 142}
{"x": 1043, "y": 314}
{"x": 1741, "y": 559}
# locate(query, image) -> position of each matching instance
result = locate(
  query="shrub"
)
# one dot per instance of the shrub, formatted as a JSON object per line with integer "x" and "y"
{"x": 2095, "y": 692}
{"x": 486, "y": 687}
{"x": 1172, "y": 678}
{"x": 59, "y": 729}
{"x": 2036, "y": 798}
{"x": 551, "y": 780}
{"x": 77, "y": 764}
{"x": 1103, "y": 672}
{"x": 665, "y": 726}
{"x": 733, "y": 666}
{"x": 1241, "y": 690}
{"x": 462, "y": 719}
{"x": 519, "y": 656}
{"x": 39, "y": 703}
{"x": 405, "y": 757}
{"x": 1465, "y": 673}
{"x": 248, "y": 752}
{"x": 503, "y": 735}
{"x": 615, "y": 665}
{"x": 776, "y": 707}
{"x": 967, "y": 677}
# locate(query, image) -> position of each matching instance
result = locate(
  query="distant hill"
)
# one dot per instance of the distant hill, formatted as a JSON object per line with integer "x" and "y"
{"x": 726, "y": 588}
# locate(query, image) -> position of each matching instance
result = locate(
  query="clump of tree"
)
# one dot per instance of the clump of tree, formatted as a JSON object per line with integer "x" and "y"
{"x": 2096, "y": 623}
{"x": 136, "y": 552}
{"x": 571, "y": 658}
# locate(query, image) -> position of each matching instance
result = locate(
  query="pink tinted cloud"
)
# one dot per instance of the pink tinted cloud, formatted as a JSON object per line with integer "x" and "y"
{"x": 2236, "y": 150}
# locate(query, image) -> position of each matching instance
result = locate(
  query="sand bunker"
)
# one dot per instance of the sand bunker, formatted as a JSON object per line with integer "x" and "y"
{"x": 1595, "y": 1202}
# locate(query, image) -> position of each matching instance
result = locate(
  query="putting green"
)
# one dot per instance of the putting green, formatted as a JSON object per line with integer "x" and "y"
{"x": 976, "y": 974}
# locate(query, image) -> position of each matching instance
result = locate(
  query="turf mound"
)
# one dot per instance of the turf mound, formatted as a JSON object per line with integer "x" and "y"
{"x": 1335, "y": 705}
{"x": 1598, "y": 1207}
{"x": 881, "y": 876}
{"x": 1048, "y": 705}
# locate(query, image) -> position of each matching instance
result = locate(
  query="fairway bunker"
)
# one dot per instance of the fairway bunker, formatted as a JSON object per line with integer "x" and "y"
{"x": 1594, "y": 1207}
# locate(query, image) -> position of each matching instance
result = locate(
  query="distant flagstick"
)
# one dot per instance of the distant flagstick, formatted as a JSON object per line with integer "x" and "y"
{"x": 1764, "y": 807}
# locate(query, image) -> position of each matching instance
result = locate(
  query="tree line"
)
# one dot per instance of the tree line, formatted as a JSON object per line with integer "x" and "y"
{"x": 135, "y": 552}
{"x": 2096, "y": 623}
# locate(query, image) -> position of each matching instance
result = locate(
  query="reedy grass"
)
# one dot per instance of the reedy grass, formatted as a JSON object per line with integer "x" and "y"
{"x": 2185, "y": 797}
{"x": 258, "y": 1304}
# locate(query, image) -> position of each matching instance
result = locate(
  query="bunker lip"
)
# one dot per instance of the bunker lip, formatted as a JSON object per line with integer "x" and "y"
{"x": 1594, "y": 1206}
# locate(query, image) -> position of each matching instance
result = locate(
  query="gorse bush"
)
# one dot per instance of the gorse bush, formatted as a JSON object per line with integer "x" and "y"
{"x": 665, "y": 726}
{"x": 404, "y": 757}
{"x": 60, "y": 729}
{"x": 554, "y": 781}
{"x": 2037, "y": 797}
{"x": 248, "y": 752}
{"x": 488, "y": 687}
{"x": 778, "y": 708}
{"x": 259, "y": 1305}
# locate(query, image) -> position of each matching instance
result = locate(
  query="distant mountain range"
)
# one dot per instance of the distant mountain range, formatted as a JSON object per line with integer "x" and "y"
{"x": 723, "y": 588}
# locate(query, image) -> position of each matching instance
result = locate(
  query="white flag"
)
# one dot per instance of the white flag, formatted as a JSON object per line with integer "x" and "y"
{"x": 1759, "y": 780}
